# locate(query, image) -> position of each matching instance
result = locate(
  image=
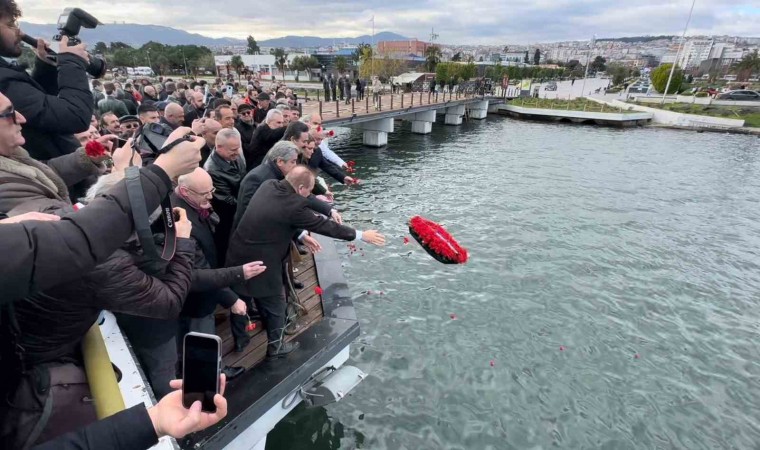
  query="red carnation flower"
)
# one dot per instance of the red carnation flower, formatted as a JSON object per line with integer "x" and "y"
{"x": 94, "y": 149}
{"x": 318, "y": 290}
{"x": 251, "y": 326}
{"x": 351, "y": 163}
{"x": 406, "y": 240}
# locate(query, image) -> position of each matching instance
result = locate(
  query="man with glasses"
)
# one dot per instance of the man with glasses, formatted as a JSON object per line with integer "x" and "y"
{"x": 245, "y": 126}
{"x": 194, "y": 193}
{"x": 55, "y": 100}
{"x": 129, "y": 126}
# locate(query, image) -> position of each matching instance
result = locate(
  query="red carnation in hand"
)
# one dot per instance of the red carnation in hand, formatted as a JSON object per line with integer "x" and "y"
{"x": 94, "y": 149}
{"x": 318, "y": 290}
{"x": 331, "y": 133}
{"x": 251, "y": 326}
{"x": 351, "y": 163}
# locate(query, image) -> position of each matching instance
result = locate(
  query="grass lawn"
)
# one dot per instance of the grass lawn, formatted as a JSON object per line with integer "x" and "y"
{"x": 578, "y": 104}
{"x": 750, "y": 114}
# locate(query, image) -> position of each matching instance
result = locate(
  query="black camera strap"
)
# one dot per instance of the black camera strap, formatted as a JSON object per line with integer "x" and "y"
{"x": 141, "y": 217}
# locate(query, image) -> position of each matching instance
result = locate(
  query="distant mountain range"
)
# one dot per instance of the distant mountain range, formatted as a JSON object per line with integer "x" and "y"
{"x": 137, "y": 35}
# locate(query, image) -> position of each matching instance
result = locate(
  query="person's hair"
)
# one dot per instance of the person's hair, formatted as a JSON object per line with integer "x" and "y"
{"x": 294, "y": 130}
{"x": 227, "y": 133}
{"x": 271, "y": 114}
{"x": 282, "y": 108}
{"x": 306, "y": 118}
{"x": 300, "y": 176}
{"x": 9, "y": 10}
{"x": 218, "y": 111}
{"x": 216, "y": 103}
{"x": 146, "y": 108}
{"x": 103, "y": 118}
{"x": 279, "y": 95}
{"x": 284, "y": 150}
{"x": 109, "y": 87}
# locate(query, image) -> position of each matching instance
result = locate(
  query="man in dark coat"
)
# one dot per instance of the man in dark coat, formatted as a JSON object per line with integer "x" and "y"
{"x": 227, "y": 168}
{"x": 341, "y": 88}
{"x": 264, "y": 138}
{"x": 245, "y": 125}
{"x": 263, "y": 106}
{"x": 326, "y": 87}
{"x": 194, "y": 108}
{"x": 55, "y": 100}
{"x": 332, "y": 88}
{"x": 276, "y": 214}
{"x": 193, "y": 193}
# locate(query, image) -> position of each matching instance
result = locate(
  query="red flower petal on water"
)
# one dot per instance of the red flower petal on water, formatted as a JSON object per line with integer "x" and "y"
{"x": 562, "y": 348}
{"x": 636, "y": 356}
{"x": 406, "y": 240}
{"x": 453, "y": 316}
{"x": 369, "y": 292}
{"x": 94, "y": 149}
{"x": 493, "y": 363}
{"x": 318, "y": 290}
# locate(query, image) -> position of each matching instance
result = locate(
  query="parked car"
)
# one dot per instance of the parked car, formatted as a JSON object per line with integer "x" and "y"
{"x": 552, "y": 86}
{"x": 740, "y": 95}
{"x": 639, "y": 88}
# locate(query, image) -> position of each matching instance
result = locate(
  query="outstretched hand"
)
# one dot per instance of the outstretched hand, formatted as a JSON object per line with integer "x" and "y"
{"x": 170, "y": 417}
{"x": 252, "y": 269}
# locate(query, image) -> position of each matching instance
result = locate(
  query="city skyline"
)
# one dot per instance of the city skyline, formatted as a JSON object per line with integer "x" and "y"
{"x": 489, "y": 22}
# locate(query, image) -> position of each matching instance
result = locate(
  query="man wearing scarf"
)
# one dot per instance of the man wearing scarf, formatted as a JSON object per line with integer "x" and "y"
{"x": 193, "y": 193}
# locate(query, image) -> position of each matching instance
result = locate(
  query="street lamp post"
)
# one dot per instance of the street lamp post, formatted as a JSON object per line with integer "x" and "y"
{"x": 683, "y": 40}
{"x": 184, "y": 60}
{"x": 588, "y": 63}
{"x": 150, "y": 66}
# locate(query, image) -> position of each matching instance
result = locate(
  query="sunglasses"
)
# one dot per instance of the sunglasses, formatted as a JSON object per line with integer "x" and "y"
{"x": 11, "y": 113}
{"x": 246, "y": 113}
{"x": 130, "y": 126}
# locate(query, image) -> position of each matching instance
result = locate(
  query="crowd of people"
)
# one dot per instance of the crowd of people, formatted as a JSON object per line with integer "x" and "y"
{"x": 241, "y": 170}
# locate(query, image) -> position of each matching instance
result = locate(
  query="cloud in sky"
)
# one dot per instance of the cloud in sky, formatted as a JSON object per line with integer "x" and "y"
{"x": 456, "y": 21}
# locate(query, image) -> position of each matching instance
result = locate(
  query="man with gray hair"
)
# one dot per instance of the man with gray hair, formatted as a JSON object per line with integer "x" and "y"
{"x": 227, "y": 169}
{"x": 264, "y": 137}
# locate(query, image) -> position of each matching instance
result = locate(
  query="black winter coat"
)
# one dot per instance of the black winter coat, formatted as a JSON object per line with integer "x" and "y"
{"x": 53, "y": 322}
{"x": 246, "y": 134}
{"x": 55, "y": 102}
{"x": 262, "y": 141}
{"x": 226, "y": 178}
{"x": 40, "y": 255}
{"x": 253, "y": 180}
{"x": 211, "y": 284}
{"x": 274, "y": 216}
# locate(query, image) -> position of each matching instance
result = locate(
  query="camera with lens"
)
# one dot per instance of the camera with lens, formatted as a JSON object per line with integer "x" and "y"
{"x": 150, "y": 142}
{"x": 70, "y": 22}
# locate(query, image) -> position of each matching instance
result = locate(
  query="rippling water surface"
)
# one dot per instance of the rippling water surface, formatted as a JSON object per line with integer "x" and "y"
{"x": 611, "y": 300}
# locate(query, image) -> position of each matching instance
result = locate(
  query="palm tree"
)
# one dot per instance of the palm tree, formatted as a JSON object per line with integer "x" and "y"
{"x": 341, "y": 64}
{"x": 237, "y": 64}
{"x": 432, "y": 57}
{"x": 280, "y": 59}
{"x": 749, "y": 64}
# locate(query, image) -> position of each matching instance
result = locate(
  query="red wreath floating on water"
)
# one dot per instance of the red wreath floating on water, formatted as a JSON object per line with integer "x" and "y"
{"x": 437, "y": 241}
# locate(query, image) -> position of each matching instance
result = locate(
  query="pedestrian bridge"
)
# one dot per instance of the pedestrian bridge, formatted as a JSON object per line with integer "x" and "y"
{"x": 420, "y": 108}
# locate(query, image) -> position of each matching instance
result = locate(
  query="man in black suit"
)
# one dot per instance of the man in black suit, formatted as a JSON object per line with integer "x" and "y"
{"x": 264, "y": 137}
{"x": 227, "y": 168}
{"x": 263, "y": 106}
{"x": 326, "y": 86}
{"x": 244, "y": 124}
{"x": 332, "y": 87}
{"x": 193, "y": 193}
{"x": 276, "y": 214}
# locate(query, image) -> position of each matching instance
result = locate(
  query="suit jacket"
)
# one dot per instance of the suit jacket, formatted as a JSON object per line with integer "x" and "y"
{"x": 202, "y": 302}
{"x": 206, "y": 151}
{"x": 262, "y": 140}
{"x": 318, "y": 161}
{"x": 226, "y": 178}
{"x": 274, "y": 216}
{"x": 253, "y": 180}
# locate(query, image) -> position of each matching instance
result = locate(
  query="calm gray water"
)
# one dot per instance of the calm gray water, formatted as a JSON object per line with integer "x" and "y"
{"x": 613, "y": 283}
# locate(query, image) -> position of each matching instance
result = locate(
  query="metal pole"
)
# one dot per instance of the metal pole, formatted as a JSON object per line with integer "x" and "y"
{"x": 353, "y": 108}
{"x": 320, "y": 108}
{"x": 585, "y": 75}
{"x": 683, "y": 39}
{"x": 337, "y": 109}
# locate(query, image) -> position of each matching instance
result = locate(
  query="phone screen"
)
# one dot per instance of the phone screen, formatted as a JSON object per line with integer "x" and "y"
{"x": 201, "y": 370}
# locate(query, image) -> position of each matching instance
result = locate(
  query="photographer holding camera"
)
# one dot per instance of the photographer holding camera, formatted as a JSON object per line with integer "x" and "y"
{"x": 56, "y": 99}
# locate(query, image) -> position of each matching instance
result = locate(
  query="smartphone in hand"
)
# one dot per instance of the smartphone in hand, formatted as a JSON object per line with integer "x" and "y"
{"x": 202, "y": 359}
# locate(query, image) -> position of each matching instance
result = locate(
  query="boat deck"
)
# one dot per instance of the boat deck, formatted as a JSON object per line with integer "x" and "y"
{"x": 255, "y": 352}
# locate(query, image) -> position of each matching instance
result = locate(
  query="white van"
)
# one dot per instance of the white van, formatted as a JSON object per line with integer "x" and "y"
{"x": 143, "y": 71}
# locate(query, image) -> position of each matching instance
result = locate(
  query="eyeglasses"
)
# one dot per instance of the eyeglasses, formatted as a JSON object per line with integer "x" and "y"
{"x": 246, "y": 113}
{"x": 202, "y": 194}
{"x": 130, "y": 126}
{"x": 10, "y": 113}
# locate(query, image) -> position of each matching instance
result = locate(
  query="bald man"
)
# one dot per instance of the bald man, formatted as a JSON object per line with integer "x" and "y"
{"x": 207, "y": 128}
{"x": 277, "y": 212}
{"x": 193, "y": 193}
{"x": 315, "y": 120}
{"x": 174, "y": 115}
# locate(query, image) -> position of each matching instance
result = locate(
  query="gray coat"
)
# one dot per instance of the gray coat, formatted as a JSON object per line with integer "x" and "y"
{"x": 28, "y": 185}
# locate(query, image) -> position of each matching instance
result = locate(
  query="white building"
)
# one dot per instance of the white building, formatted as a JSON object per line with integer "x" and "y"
{"x": 694, "y": 52}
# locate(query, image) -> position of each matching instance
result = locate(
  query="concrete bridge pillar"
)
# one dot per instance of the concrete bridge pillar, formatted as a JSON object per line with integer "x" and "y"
{"x": 454, "y": 115}
{"x": 376, "y": 132}
{"x": 478, "y": 110}
{"x": 422, "y": 122}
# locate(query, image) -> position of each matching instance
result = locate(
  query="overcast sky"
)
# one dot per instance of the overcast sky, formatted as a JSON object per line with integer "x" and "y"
{"x": 456, "y": 21}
